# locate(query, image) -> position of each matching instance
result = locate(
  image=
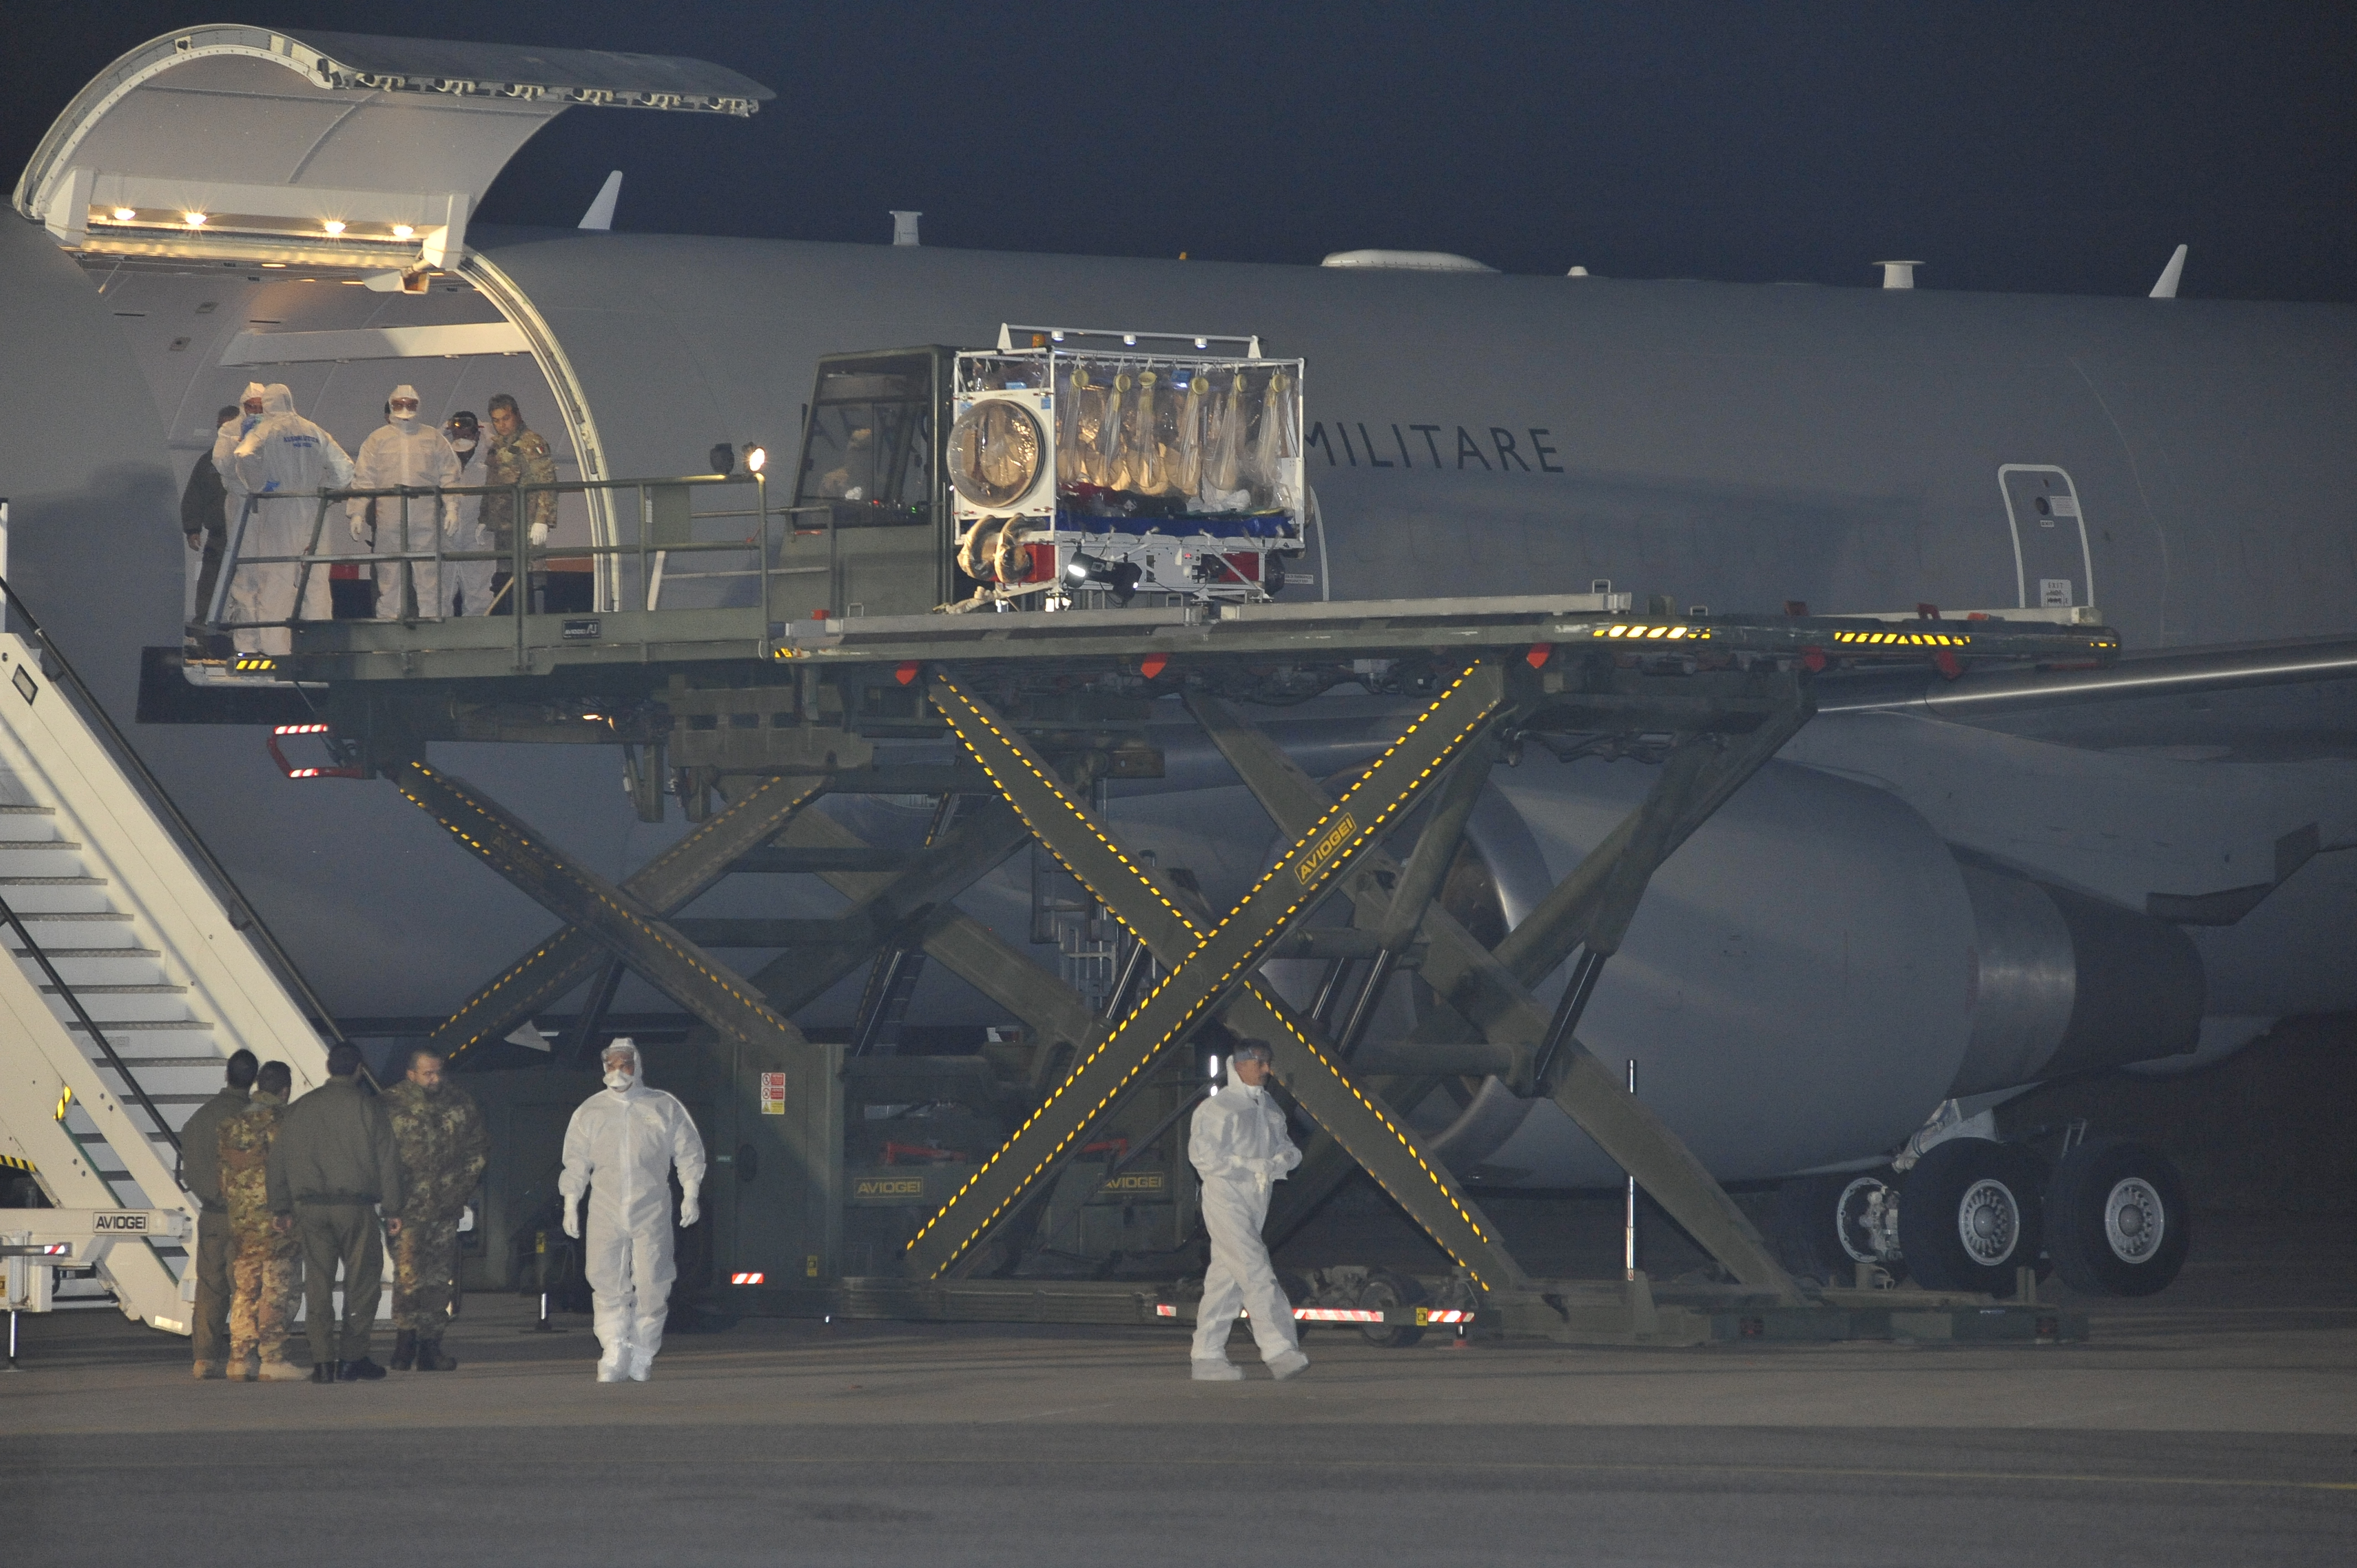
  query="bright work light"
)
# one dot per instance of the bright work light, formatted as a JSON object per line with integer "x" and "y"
{"x": 1120, "y": 576}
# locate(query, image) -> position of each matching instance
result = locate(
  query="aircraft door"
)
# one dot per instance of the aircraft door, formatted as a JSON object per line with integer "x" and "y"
{"x": 2053, "y": 567}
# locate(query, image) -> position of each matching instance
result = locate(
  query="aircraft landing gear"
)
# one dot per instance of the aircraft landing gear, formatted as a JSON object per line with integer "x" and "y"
{"x": 2110, "y": 1218}
{"x": 2117, "y": 1219}
{"x": 1973, "y": 1212}
{"x": 1831, "y": 1226}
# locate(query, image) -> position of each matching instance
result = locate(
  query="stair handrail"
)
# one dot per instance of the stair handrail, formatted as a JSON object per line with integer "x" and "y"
{"x": 243, "y": 916}
{"x": 73, "y": 1002}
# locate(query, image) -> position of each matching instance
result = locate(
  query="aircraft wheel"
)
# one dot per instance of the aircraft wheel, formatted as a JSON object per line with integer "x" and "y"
{"x": 2117, "y": 1217}
{"x": 1827, "y": 1225}
{"x": 1386, "y": 1289}
{"x": 1972, "y": 1212}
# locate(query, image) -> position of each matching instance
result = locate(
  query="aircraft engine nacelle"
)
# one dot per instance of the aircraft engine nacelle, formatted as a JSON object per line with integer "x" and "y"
{"x": 1810, "y": 975}
{"x": 2066, "y": 983}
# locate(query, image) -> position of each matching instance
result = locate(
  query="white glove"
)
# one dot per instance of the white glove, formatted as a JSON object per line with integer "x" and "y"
{"x": 690, "y": 1209}
{"x": 540, "y": 533}
{"x": 573, "y": 1221}
{"x": 359, "y": 528}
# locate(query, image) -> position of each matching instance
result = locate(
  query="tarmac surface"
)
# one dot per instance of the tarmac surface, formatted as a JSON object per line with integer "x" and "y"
{"x": 2216, "y": 1422}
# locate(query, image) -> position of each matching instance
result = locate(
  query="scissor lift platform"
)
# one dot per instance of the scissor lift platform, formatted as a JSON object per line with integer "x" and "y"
{"x": 751, "y": 722}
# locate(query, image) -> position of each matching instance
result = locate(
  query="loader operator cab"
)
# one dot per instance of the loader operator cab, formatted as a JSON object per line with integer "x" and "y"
{"x": 870, "y": 479}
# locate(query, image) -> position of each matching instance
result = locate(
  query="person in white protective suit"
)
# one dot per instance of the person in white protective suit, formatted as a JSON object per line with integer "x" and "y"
{"x": 250, "y": 405}
{"x": 226, "y": 437}
{"x": 404, "y": 450}
{"x": 1238, "y": 1144}
{"x": 283, "y": 463}
{"x": 466, "y": 584}
{"x": 620, "y": 1148}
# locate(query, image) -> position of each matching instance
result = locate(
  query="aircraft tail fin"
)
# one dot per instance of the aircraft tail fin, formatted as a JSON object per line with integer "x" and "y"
{"x": 601, "y": 211}
{"x": 2167, "y": 287}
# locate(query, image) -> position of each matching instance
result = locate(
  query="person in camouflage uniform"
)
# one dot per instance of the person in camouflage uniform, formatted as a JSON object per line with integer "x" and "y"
{"x": 262, "y": 1266}
{"x": 517, "y": 454}
{"x": 444, "y": 1148}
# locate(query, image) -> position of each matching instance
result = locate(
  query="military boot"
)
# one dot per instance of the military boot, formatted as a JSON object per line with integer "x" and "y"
{"x": 431, "y": 1359}
{"x": 405, "y": 1350}
{"x": 326, "y": 1371}
{"x": 361, "y": 1370}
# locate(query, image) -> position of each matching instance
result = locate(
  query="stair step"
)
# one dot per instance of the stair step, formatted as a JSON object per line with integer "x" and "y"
{"x": 29, "y": 810}
{"x": 150, "y": 1025}
{"x": 53, "y": 882}
{"x": 160, "y": 1061}
{"x": 115, "y": 990}
{"x": 54, "y": 953}
{"x": 7, "y": 843}
{"x": 48, "y": 916}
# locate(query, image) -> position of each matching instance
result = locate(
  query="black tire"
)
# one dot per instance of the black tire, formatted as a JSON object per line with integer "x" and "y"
{"x": 2107, "y": 1200}
{"x": 1386, "y": 1289}
{"x": 1990, "y": 1193}
{"x": 1812, "y": 1213}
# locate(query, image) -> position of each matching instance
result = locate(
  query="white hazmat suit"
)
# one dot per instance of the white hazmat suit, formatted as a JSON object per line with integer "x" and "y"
{"x": 283, "y": 463}
{"x": 1238, "y": 1144}
{"x": 404, "y": 450}
{"x": 620, "y": 1148}
{"x": 466, "y": 584}
{"x": 225, "y": 439}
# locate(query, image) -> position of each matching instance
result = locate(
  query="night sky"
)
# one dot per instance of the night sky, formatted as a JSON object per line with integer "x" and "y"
{"x": 2013, "y": 147}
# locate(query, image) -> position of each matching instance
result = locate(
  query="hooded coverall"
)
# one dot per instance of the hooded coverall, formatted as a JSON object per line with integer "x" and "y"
{"x": 404, "y": 452}
{"x": 283, "y": 463}
{"x": 233, "y": 498}
{"x": 466, "y": 584}
{"x": 619, "y": 1148}
{"x": 1238, "y": 1146}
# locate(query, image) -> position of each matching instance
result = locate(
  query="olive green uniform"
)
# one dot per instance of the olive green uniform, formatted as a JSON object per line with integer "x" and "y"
{"x": 261, "y": 1309}
{"x": 524, "y": 458}
{"x": 201, "y": 1174}
{"x": 444, "y": 1148}
{"x": 333, "y": 1165}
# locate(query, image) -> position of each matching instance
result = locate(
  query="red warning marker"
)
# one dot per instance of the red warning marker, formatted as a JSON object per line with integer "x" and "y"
{"x": 1812, "y": 659}
{"x": 1153, "y": 664}
{"x": 906, "y": 673}
{"x": 1946, "y": 662}
{"x": 1539, "y": 654}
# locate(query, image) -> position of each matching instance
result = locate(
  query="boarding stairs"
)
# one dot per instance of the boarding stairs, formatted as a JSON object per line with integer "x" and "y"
{"x": 137, "y": 969}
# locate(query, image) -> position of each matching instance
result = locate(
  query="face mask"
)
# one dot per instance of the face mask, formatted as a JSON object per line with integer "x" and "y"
{"x": 617, "y": 1080}
{"x": 462, "y": 444}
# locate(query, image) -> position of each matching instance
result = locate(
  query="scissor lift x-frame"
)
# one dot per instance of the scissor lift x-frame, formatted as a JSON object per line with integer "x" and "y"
{"x": 1031, "y": 774}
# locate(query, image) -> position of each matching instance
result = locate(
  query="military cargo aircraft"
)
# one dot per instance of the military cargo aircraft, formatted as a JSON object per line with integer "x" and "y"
{"x": 1942, "y": 892}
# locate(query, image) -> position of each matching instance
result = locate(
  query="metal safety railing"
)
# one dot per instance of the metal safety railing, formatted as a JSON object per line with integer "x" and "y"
{"x": 243, "y": 918}
{"x": 774, "y": 542}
